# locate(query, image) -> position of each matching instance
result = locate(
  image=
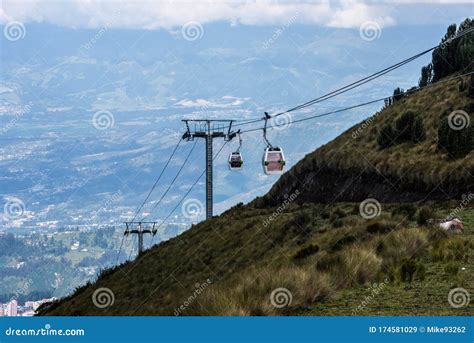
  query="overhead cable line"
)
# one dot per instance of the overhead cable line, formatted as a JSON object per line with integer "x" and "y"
{"x": 355, "y": 84}
{"x": 189, "y": 190}
{"x": 174, "y": 179}
{"x": 157, "y": 180}
{"x": 356, "y": 106}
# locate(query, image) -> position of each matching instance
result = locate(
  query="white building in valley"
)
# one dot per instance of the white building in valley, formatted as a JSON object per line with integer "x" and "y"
{"x": 12, "y": 308}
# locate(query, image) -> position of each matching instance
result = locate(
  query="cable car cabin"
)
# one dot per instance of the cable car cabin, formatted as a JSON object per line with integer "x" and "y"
{"x": 235, "y": 161}
{"x": 273, "y": 161}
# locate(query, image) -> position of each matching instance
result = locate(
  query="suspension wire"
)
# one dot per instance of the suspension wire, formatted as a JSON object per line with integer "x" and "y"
{"x": 265, "y": 131}
{"x": 188, "y": 191}
{"x": 359, "y": 105}
{"x": 240, "y": 140}
{"x": 120, "y": 249}
{"x": 357, "y": 83}
{"x": 352, "y": 85}
{"x": 157, "y": 180}
{"x": 131, "y": 253}
{"x": 174, "y": 179}
{"x": 163, "y": 195}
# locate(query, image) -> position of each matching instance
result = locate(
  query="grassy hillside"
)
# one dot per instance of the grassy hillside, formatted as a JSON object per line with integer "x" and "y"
{"x": 328, "y": 257}
{"x": 354, "y": 167}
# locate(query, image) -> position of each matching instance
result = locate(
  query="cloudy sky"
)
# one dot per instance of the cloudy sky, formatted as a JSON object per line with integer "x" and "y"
{"x": 169, "y": 14}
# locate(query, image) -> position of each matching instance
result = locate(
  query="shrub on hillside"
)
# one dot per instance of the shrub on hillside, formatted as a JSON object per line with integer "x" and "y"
{"x": 452, "y": 249}
{"x": 418, "y": 133}
{"x": 471, "y": 86}
{"x": 342, "y": 242}
{"x": 337, "y": 213}
{"x": 456, "y": 142}
{"x": 406, "y": 210}
{"x": 411, "y": 269}
{"x": 403, "y": 126}
{"x": 381, "y": 226}
{"x": 307, "y": 251}
{"x": 452, "y": 268}
{"x": 359, "y": 266}
{"x": 408, "y": 128}
{"x": 404, "y": 243}
{"x": 302, "y": 218}
{"x": 329, "y": 262}
{"x": 386, "y": 137}
{"x": 424, "y": 214}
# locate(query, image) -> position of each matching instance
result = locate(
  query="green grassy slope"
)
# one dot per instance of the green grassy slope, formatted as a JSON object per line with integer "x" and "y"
{"x": 327, "y": 257}
{"x": 414, "y": 170}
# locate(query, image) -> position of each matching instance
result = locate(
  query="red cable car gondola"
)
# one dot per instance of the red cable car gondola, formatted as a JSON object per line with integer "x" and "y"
{"x": 235, "y": 159}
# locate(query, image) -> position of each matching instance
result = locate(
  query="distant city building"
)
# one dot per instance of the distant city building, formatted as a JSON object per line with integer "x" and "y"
{"x": 29, "y": 304}
{"x": 12, "y": 308}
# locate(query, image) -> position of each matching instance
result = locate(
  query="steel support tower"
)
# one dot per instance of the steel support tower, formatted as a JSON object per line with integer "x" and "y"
{"x": 138, "y": 229}
{"x": 208, "y": 129}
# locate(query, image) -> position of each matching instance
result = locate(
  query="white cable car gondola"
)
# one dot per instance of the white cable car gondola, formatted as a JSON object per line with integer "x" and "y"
{"x": 273, "y": 160}
{"x": 235, "y": 159}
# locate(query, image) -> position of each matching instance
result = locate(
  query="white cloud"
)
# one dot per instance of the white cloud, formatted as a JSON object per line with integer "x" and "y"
{"x": 169, "y": 14}
{"x": 227, "y": 101}
{"x": 195, "y": 103}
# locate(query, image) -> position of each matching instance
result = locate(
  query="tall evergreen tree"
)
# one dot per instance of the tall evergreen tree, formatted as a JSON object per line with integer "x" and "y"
{"x": 426, "y": 76}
